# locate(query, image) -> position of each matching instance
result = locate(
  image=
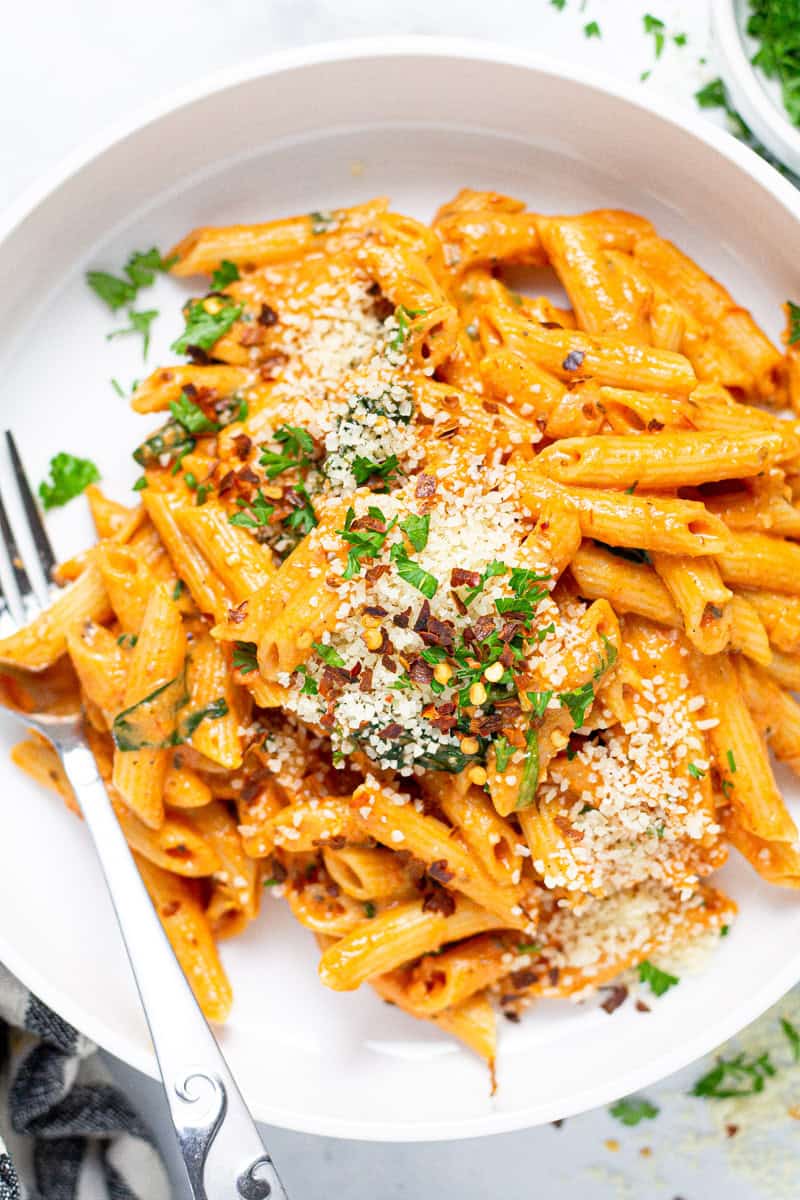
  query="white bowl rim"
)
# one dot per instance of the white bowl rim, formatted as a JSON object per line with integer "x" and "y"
{"x": 408, "y": 46}
{"x": 770, "y": 123}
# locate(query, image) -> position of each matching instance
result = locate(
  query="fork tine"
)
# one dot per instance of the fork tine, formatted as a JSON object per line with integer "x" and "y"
{"x": 18, "y": 596}
{"x": 41, "y": 541}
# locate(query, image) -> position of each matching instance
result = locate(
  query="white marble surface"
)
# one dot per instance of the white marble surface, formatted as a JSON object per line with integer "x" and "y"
{"x": 71, "y": 69}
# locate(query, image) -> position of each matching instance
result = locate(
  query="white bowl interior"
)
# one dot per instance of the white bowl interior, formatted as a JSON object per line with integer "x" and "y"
{"x": 419, "y": 124}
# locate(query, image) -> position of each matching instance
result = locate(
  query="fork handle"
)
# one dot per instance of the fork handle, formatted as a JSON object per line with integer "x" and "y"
{"x": 205, "y": 1104}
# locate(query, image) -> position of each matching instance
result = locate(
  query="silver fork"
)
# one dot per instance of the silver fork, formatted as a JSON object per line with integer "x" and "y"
{"x": 205, "y": 1104}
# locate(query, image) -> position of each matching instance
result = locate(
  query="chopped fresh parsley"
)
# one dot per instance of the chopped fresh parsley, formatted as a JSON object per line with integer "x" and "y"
{"x": 410, "y": 570}
{"x": 503, "y": 751}
{"x": 737, "y": 1076}
{"x": 143, "y": 266}
{"x": 489, "y": 572}
{"x": 321, "y": 221}
{"x": 731, "y": 762}
{"x": 227, "y": 272}
{"x": 205, "y": 327}
{"x": 793, "y": 1037}
{"x": 328, "y": 654}
{"x": 298, "y": 446}
{"x": 539, "y": 702}
{"x": 191, "y": 416}
{"x": 364, "y": 543}
{"x": 695, "y": 771}
{"x": 656, "y": 27}
{"x": 245, "y": 657}
{"x": 141, "y": 484}
{"x": 577, "y": 702}
{"x": 776, "y": 25}
{"x": 794, "y": 322}
{"x": 369, "y": 909}
{"x": 114, "y": 292}
{"x": 530, "y": 771}
{"x": 309, "y": 687}
{"x": 416, "y": 530}
{"x": 404, "y": 318}
{"x": 177, "y": 591}
{"x": 659, "y": 981}
{"x": 118, "y": 388}
{"x": 140, "y": 323}
{"x": 633, "y": 1109}
{"x": 592, "y": 30}
{"x": 69, "y": 476}
{"x": 365, "y": 469}
{"x": 712, "y": 95}
{"x": 302, "y": 519}
{"x": 253, "y": 515}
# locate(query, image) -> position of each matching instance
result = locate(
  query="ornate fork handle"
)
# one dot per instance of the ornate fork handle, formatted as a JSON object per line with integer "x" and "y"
{"x": 206, "y": 1106}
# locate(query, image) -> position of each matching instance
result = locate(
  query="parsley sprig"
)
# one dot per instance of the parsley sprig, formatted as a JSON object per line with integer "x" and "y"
{"x": 659, "y": 981}
{"x": 737, "y": 1076}
{"x": 633, "y": 1109}
{"x": 206, "y": 322}
{"x": 69, "y": 476}
{"x": 365, "y": 543}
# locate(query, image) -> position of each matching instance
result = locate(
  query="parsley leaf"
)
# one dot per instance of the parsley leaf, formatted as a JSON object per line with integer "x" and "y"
{"x": 592, "y": 30}
{"x": 328, "y": 654}
{"x": 298, "y": 446}
{"x": 530, "y": 771}
{"x": 734, "y": 1077}
{"x": 245, "y": 658}
{"x": 695, "y": 771}
{"x": 143, "y": 266}
{"x": 489, "y": 572}
{"x": 140, "y": 322}
{"x": 578, "y": 702}
{"x": 255, "y": 514}
{"x": 658, "y": 980}
{"x": 227, "y": 272}
{"x": 656, "y": 27}
{"x": 731, "y": 762}
{"x": 364, "y": 543}
{"x": 793, "y": 1036}
{"x": 794, "y": 322}
{"x": 69, "y": 476}
{"x": 191, "y": 416}
{"x": 503, "y": 751}
{"x": 712, "y": 95}
{"x": 416, "y": 530}
{"x": 410, "y": 570}
{"x": 404, "y": 318}
{"x": 204, "y": 328}
{"x": 309, "y": 687}
{"x": 369, "y": 909}
{"x": 303, "y": 519}
{"x": 539, "y": 702}
{"x": 633, "y": 1109}
{"x": 114, "y": 292}
{"x": 365, "y": 469}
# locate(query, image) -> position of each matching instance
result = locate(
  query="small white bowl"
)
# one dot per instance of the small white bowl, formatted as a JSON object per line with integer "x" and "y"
{"x": 755, "y": 97}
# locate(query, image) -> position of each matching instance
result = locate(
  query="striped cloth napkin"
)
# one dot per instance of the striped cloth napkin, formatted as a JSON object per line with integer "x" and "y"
{"x": 61, "y": 1119}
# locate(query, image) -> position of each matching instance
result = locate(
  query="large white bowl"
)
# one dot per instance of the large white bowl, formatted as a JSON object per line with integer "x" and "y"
{"x": 417, "y": 120}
